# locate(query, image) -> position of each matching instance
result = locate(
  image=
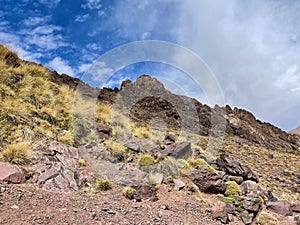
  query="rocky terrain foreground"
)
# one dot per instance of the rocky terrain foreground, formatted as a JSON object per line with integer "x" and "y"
{"x": 73, "y": 154}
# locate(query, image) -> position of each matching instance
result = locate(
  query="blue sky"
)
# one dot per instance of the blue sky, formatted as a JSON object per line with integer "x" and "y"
{"x": 252, "y": 47}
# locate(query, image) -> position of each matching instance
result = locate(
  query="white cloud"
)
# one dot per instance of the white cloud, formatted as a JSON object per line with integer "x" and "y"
{"x": 247, "y": 44}
{"x": 33, "y": 21}
{"x": 49, "y": 4}
{"x": 83, "y": 68}
{"x": 46, "y": 37}
{"x": 92, "y": 4}
{"x": 94, "y": 46}
{"x": 61, "y": 66}
{"x": 82, "y": 18}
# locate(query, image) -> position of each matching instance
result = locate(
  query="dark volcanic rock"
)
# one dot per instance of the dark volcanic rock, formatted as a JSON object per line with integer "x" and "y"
{"x": 144, "y": 192}
{"x": 207, "y": 181}
{"x": 233, "y": 167}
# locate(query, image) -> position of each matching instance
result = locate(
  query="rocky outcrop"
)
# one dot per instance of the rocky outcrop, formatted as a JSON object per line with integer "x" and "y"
{"x": 59, "y": 171}
{"x": 235, "y": 168}
{"x": 207, "y": 181}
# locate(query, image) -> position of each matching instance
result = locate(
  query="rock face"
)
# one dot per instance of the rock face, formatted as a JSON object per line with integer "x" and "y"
{"x": 220, "y": 211}
{"x": 144, "y": 192}
{"x": 207, "y": 181}
{"x": 60, "y": 172}
{"x": 12, "y": 174}
{"x": 235, "y": 168}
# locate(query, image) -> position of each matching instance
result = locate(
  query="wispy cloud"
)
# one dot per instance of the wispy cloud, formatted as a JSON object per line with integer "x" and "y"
{"x": 82, "y": 18}
{"x": 92, "y": 4}
{"x": 94, "y": 47}
{"x": 33, "y": 21}
{"x": 49, "y": 4}
{"x": 61, "y": 66}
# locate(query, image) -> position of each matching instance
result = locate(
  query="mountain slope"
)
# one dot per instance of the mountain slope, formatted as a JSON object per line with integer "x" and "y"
{"x": 295, "y": 131}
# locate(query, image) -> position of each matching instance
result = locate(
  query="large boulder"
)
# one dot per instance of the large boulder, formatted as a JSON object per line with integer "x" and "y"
{"x": 207, "y": 181}
{"x": 250, "y": 188}
{"x": 12, "y": 173}
{"x": 181, "y": 150}
{"x": 144, "y": 192}
{"x": 235, "y": 168}
{"x": 251, "y": 204}
{"x": 280, "y": 207}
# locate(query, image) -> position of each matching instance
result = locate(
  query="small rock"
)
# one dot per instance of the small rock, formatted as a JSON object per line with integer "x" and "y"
{"x": 250, "y": 188}
{"x": 219, "y": 212}
{"x": 251, "y": 204}
{"x": 14, "y": 207}
{"x": 295, "y": 208}
{"x": 156, "y": 178}
{"x": 247, "y": 217}
{"x": 179, "y": 184}
{"x": 133, "y": 146}
{"x": 237, "y": 179}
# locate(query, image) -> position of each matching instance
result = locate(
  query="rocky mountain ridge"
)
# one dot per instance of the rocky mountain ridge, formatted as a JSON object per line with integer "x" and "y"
{"x": 295, "y": 131}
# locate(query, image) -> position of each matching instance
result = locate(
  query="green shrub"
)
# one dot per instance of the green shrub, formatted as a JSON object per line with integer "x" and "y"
{"x": 232, "y": 188}
{"x": 18, "y": 153}
{"x": 201, "y": 164}
{"x": 146, "y": 160}
{"x": 103, "y": 185}
{"x": 128, "y": 192}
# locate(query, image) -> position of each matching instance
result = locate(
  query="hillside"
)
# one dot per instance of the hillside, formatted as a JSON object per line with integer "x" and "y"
{"x": 136, "y": 155}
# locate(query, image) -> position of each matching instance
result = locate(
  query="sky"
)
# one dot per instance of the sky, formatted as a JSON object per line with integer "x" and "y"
{"x": 252, "y": 48}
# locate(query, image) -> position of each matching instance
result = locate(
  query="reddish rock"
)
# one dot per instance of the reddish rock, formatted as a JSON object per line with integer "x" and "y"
{"x": 207, "y": 181}
{"x": 104, "y": 131}
{"x": 280, "y": 207}
{"x": 12, "y": 173}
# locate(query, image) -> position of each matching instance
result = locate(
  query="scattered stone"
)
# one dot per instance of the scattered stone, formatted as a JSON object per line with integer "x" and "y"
{"x": 133, "y": 146}
{"x": 104, "y": 131}
{"x": 247, "y": 217}
{"x": 156, "y": 178}
{"x": 144, "y": 192}
{"x": 280, "y": 207}
{"x": 14, "y": 207}
{"x": 295, "y": 208}
{"x": 179, "y": 184}
{"x": 169, "y": 139}
{"x": 207, "y": 181}
{"x": 219, "y": 212}
{"x": 235, "y": 168}
{"x": 251, "y": 204}
{"x": 180, "y": 150}
{"x": 12, "y": 173}
{"x": 237, "y": 179}
{"x": 66, "y": 154}
{"x": 250, "y": 188}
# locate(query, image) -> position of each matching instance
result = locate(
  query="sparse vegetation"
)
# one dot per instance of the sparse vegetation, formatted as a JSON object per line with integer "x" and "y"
{"x": 265, "y": 218}
{"x": 140, "y": 131}
{"x": 200, "y": 164}
{"x": 116, "y": 149}
{"x": 81, "y": 162}
{"x": 18, "y": 153}
{"x": 103, "y": 185}
{"x": 128, "y": 192}
{"x": 232, "y": 188}
{"x": 238, "y": 203}
{"x": 146, "y": 160}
